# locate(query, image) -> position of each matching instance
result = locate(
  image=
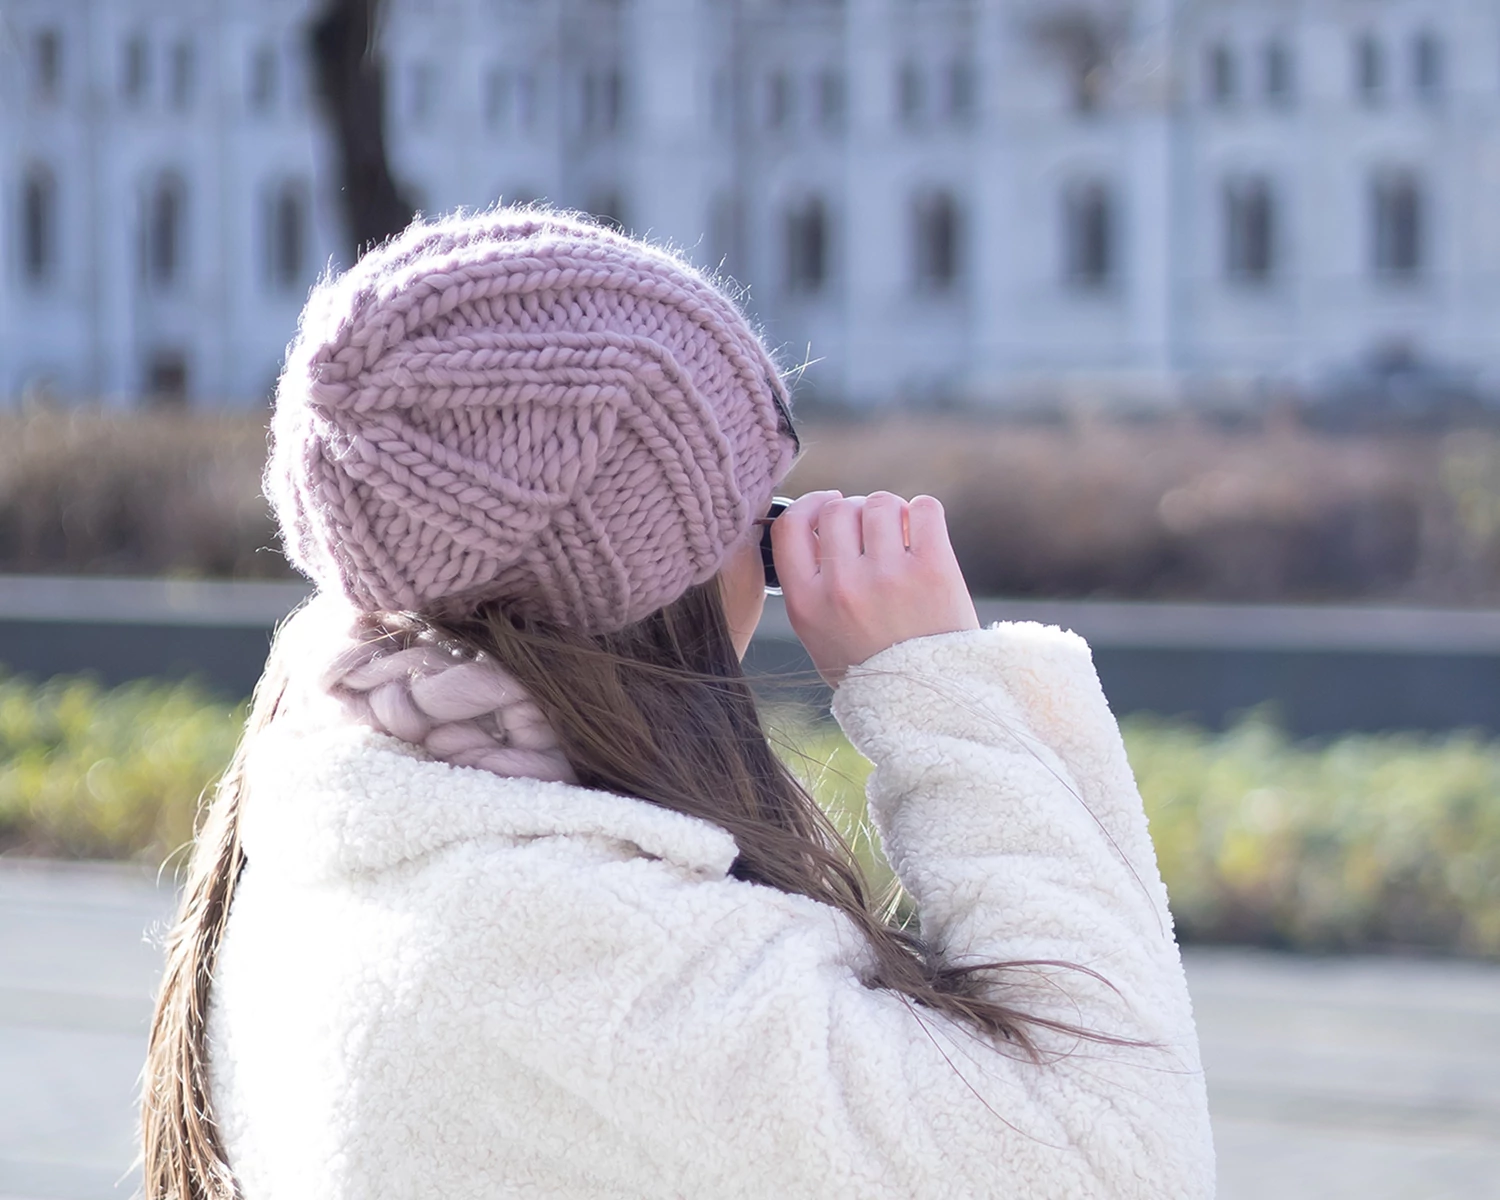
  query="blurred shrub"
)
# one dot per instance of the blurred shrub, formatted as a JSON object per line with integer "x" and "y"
{"x": 1390, "y": 841}
{"x": 135, "y": 494}
{"x": 1163, "y": 508}
{"x": 1183, "y": 509}
{"x": 87, "y": 772}
{"x": 1359, "y": 843}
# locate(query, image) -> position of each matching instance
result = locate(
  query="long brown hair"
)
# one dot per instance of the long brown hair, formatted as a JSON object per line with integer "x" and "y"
{"x": 182, "y": 1156}
{"x": 660, "y": 710}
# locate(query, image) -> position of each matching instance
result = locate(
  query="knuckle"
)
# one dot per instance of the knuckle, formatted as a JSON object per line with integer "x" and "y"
{"x": 841, "y": 592}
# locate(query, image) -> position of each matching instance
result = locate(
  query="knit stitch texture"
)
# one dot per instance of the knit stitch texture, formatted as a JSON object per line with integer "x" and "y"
{"x": 522, "y": 406}
{"x": 398, "y": 676}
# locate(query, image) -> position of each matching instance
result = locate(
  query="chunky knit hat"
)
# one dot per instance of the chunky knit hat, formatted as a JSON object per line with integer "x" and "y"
{"x": 522, "y": 406}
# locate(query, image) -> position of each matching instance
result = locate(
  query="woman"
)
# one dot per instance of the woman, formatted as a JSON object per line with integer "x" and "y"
{"x": 506, "y": 892}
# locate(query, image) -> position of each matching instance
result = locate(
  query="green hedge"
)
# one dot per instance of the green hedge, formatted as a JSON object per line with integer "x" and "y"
{"x": 1389, "y": 841}
{"x": 1361, "y": 842}
{"x": 90, "y": 772}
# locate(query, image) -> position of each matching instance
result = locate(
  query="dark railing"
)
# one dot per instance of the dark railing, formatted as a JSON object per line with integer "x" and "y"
{"x": 1324, "y": 669}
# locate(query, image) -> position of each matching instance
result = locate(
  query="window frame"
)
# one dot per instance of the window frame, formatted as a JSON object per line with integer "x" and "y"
{"x": 182, "y": 74}
{"x": 1090, "y": 234}
{"x": 1278, "y": 72}
{"x": 37, "y": 227}
{"x": 1221, "y": 74}
{"x": 165, "y": 233}
{"x": 938, "y": 235}
{"x": 1371, "y": 70}
{"x": 1250, "y": 236}
{"x": 806, "y": 226}
{"x": 287, "y": 274}
{"x": 1428, "y": 66}
{"x": 1399, "y": 212}
{"x": 47, "y": 65}
{"x": 263, "y": 78}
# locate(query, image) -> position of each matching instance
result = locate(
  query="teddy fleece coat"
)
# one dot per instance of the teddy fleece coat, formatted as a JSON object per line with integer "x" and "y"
{"x": 437, "y": 982}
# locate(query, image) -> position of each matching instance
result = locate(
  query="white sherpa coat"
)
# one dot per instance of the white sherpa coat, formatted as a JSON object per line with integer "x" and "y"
{"x": 441, "y": 983}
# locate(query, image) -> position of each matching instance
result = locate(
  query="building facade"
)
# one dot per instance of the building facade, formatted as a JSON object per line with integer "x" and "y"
{"x": 978, "y": 200}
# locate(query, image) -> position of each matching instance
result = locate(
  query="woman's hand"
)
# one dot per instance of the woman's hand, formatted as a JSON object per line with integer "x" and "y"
{"x": 861, "y": 573}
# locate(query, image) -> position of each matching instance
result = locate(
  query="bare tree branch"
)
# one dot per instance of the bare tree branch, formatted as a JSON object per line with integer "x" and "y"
{"x": 1085, "y": 38}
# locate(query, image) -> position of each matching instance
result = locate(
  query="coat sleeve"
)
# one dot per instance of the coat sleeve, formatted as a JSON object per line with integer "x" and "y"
{"x": 718, "y": 1033}
{"x": 1005, "y": 802}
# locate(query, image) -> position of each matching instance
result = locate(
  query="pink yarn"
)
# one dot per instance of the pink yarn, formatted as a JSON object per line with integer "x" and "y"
{"x": 521, "y": 406}
{"x": 395, "y": 675}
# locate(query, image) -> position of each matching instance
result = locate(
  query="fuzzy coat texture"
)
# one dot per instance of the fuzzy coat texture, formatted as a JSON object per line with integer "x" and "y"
{"x": 437, "y": 982}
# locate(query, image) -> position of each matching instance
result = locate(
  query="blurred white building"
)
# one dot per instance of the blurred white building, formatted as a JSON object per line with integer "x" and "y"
{"x": 975, "y": 199}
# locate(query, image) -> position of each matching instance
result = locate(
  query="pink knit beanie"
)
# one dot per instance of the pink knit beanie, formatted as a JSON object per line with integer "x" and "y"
{"x": 521, "y": 406}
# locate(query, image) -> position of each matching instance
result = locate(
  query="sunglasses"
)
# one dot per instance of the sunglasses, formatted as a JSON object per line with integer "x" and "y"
{"x": 779, "y": 505}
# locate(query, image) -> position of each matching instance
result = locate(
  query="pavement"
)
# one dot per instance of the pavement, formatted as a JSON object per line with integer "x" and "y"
{"x": 1373, "y": 1078}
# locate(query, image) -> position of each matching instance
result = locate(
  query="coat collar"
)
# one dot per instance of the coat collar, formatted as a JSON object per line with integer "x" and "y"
{"x": 338, "y": 800}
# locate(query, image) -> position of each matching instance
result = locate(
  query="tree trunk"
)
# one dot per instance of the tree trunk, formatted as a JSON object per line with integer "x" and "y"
{"x": 350, "y": 87}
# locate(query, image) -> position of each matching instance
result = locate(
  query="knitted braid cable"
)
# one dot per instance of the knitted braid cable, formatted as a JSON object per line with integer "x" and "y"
{"x": 393, "y": 673}
{"x": 522, "y": 406}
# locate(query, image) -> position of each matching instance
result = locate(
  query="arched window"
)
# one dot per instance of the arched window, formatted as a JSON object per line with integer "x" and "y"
{"x": 1249, "y": 230}
{"x": 165, "y": 232}
{"x": 1222, "y": 81}
{"x": 38, "y": 225}
{"x": 1397, "y": 225}
{"x": 260, "y": 91}
{"x": 287, "y": 237}
{"x": 135, "y": 78}
{"x": 603, "y": 100}
{"x": 180, "y": 78}
{"x": 1277, "y": 67}
{"x": 1369, "y": 68}
{"x": 778, "y": 100}
{"x": 909, "y": 98}
{"x": 1088, "y": 234}
{"x": 612, "y": 98}
{"x": 832, "y": 98}
{"x": 805, "y": 229}
{"x": 1427, "y": 65}
{"x": 937, "y": 235}
{"x": 47, "y": 65}
{"x": 963, "y": 90}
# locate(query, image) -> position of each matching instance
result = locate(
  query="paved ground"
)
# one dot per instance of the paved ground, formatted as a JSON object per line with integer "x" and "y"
{"x": 1376, "y": 1079}
{"x": 76, "y": 975}
{"x": 1369, "y": 1078}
